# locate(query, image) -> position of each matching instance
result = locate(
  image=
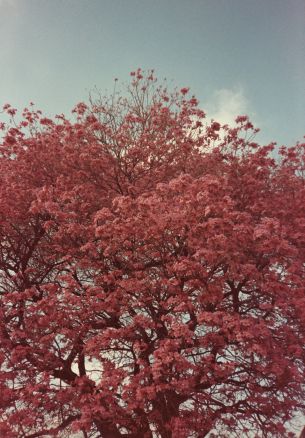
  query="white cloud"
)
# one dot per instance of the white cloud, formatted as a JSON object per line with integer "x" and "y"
{"x": 227, "y": 104}
{"x": 8, "y": 3}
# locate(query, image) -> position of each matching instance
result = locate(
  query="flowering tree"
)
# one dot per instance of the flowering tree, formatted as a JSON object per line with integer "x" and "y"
{"x": 152, "y": 273}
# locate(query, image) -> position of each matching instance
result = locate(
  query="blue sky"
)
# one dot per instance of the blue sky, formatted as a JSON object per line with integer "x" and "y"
{"x": 238, "y": 56}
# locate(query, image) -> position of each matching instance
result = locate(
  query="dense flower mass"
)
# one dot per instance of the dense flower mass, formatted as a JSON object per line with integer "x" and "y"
{"x": 152, "y": 272}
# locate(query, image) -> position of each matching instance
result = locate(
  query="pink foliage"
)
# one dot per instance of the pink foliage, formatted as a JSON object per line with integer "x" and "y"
{"x": 152, "y": 273}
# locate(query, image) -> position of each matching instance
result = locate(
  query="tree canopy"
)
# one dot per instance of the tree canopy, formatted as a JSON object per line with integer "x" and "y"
{"x": 152, "y": 272}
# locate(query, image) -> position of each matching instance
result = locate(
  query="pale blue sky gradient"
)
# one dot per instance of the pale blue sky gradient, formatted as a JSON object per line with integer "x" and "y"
{"x": 236, "y": 55}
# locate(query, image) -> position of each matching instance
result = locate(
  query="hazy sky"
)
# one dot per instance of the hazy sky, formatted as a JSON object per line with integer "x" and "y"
{"x": 238, "y": 56}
